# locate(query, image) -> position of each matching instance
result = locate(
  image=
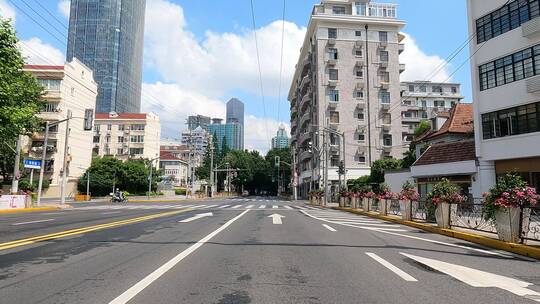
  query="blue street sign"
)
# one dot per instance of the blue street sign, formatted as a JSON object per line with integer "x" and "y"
{"x": 32, "y": 163}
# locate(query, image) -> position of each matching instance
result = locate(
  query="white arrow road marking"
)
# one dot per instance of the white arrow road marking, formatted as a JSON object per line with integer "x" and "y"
{"x": 32, "y": 222}
{"x": 152, "y": 277}
{"x": 402, "y": 274}
{"x": 329, "y": 228}
{"x": 478, "y": 278}
{"x": 196, "y": 217}
{"x": 276, "y": 219}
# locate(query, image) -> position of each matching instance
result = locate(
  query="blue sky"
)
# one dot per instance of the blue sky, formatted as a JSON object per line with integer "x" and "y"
{"x": 187, "y": 28}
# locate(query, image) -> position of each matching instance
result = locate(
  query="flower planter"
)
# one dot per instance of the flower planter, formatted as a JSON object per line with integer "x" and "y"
{"x": 365, "y": 204}
{"x": 353, "y": 202}
{"x": 442, "y": 215}
{"x": 507, "y": 222}
{"x": 383, "y": 208}
{"x": 342, "y": 202}
{"x": 405, "y": 207}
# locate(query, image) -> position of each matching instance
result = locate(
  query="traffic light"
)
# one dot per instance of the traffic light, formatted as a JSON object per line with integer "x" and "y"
{"x": 310, "y": 147}
{"x": 341, "y": 168}
{"x": 277, "y": 161}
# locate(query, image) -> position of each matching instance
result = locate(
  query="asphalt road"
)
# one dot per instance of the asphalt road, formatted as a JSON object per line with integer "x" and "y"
{"x": 252, "y": 250}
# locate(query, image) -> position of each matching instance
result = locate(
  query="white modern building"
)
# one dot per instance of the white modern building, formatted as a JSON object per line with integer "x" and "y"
{"x": 68, "y": 88}
{"x": 197, "y": 141}
{"x": 506, "y": 88}
{"x": 174, "y": 169}
{"x": 347, "y": 79}
{"x": 127, "y": 135}
{"x": 423, "y": 100}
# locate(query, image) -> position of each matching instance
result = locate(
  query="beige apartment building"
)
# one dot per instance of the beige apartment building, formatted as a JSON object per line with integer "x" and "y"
{"x": 127, "y": 135}
{"x": 347, "y": 79}
{"x": 70, "y": 87}
{"x": 423, "y": 100}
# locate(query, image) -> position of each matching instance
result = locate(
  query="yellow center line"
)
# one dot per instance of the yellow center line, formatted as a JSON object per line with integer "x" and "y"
{"x": 77, "y": 231}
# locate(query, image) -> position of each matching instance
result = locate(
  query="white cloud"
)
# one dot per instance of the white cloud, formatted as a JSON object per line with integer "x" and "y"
{"x": 37, "y": 52}
{"x": 64, "y": 7}
{"x": 256, "y": 135}
{"x": 220, "y": 62}
{"x": 6, "y": 11}
{"x": 419, "y": 65}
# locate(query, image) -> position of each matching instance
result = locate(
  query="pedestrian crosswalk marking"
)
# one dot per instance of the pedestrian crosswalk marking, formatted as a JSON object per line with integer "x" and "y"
{"x": 236, "y": 207}
{"x": 194, "y": 207}
{"x": 275, "y": 207}
{"x": 262, "y": 206}
{"x": 224, "y": 206}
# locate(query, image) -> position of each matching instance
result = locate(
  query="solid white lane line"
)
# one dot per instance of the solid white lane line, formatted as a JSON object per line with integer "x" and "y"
{"x": 329, "y": 228}
{"x": 196, "y": 217}
{"x": 224, "y": 206}
{"x": 236, "y": 207}
{"x": 249, "y": 207}
{"x": 142, "y": 284}
{"x": 402, "y": 274}
{"x": 388, "y": 231}
{"x": 32, "y": 222}
{"x": 262, "y": 206}
{"x": 113, "y": 212}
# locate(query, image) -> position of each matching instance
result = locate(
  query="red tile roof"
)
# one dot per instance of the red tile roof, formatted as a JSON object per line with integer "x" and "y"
{"x": 43, "y": 67}
{"x": 164, "y": 155}
{"x": 460, "y": 121}
{"x": 448, "y": 153}
{"x": 121, "y": 116}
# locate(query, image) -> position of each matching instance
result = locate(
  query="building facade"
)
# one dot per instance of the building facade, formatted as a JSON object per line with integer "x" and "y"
{"x": 107, "y": 36}
{"x": 196, "y": 140}
{"x": 506, "y": 88}
{"x": 174, "y": 169}
{"x": 281, "y": 140}
{"x": 347, "y": 79}
{"x": 68, "y": 88}
{"x": 423, "y": 100}
{"x": 127, "y": 136}
{"x": 231, "y": 132}
{"x": 235, "y": 115}
{"x": 195, "y": 121}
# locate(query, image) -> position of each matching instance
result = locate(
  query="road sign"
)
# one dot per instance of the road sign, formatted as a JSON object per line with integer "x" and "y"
{"x": 32, "y": 163}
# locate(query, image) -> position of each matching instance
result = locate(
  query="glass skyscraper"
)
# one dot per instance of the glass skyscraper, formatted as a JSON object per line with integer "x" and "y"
{"x": 107, "y": 36}
{"x": 230, "y": 132}
{"x": 235, "y": 114}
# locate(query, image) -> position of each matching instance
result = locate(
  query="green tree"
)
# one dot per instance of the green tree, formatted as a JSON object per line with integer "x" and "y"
{"x": 380, "y": 166}
{"x": 284, "y": 169}
{"x": 20, "y": 95}
{"x": 423, "y": 127}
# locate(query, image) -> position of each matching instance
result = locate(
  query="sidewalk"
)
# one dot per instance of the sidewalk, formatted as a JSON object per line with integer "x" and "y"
{"x": 531, "y": 249}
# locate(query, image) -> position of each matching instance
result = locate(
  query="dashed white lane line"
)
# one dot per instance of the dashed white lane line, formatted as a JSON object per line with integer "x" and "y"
{"x": 32, "y": 222}
{"x": 402, "y": 274}
{"x": 262, "y": 206}
{"x": 235, "y": 207}
{"x": 224, "y": 206}
{"x": 250, "y": 206}
{"x": 141, "y": 285}
{"x": 329, "y": 228}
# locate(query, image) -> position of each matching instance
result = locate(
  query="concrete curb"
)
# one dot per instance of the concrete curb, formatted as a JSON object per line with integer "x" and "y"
{"x": 528, "y": 251}
{"x": 26, "y": 210}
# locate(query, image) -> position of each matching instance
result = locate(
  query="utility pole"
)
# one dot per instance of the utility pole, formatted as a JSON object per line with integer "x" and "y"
{"x": 42, "y": 169}
{"x": 64, "y": 164}
{"x": 345, "y": 163}
{"x": 294, "y": 181}
{"x": 16, "y": 170}
{"x": 211, "y": 169}
{"x": 367, "y": 98}
{"x": 87, "y": 184}
{"x": 150, "y": 179}
{"x": 326, "y": 146}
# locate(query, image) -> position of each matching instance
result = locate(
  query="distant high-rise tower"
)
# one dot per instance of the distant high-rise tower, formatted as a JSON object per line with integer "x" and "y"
{"x": 195, "y": 121}
{"x": 107, "y": 36}
{"x": 235, "y": 114}
{"x": 281, "y": 141}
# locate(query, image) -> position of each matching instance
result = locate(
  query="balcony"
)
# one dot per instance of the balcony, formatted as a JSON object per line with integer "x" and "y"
{"x": 386, "y": 125}
{"x": 385, "y": 106}
{"x": 332, "y": 83}
{"x": 305, "y": 118}
{"x": 334, "y": 148}
{"x": 53, "y": 94}
{"x": 401, "y": 67}
{"x": 531, "y": 29}
{"x": 304, "y": 81}
{"x": 304, "y": 155}
{"x": 401, "y": 48}
{"x": 383, "y": 64}
{"x": 304, "y": 103}
{"x": 332, "y": 104}
{"x": 334, "y": 125}
{"x": 410, "y": 119}
{"x": 384, "y": 85}
{"x": 360, "y": 63}
{"x": 369, "y": 10}
{"x": 360, "y": 85}
{"x": 304, "y": 137}
{"x": 331, "y": 62}
{"x": 331, "y": 41}
{"x": 383, "y": 44}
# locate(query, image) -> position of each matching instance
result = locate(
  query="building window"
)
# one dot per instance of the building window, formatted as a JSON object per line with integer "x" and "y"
{"x": 96, "y": 128}
{"x": 383, "y": 36}
{"x": 411, "y": 88}
{"x": 436, "y": 89}
{"x": 50, "y": 107}
{"x": 121, "y": 127}
{"x": 109, "y": 127}
{"x": 358, "y": 52}
{"x": 360, "y": 114}
{"x": 358, "y": 33}
{"x": 95, "y": 150}
{"x": 333, "y": 74}
{"x": 362, "y": 159}
{"x": 439, "y": 103}
{"x": 339, "y": 10}
{"x": 361, "y": 9}
{"x": 383, "y": 56}
{"x": 407, "y": 114}
{"x": 454, "y": 90}
{"x": 120, "y": 139}
{"x": 518, "y": 120}
{"x": 96, "y": 139}
{"x": 387, "y": 119}
{"x": 384, "y": 96}
{"x": 333, "y": 95}
{"x": 424, "y": 114}
{"x": 359, "y": 94}
{"x": 518, "y": 66}
{"x": 136, "y": 151}
{"x": 333, "y": 53}
{"x": 72, "y": 91}
{"x": 50, "y": 84}
{"x": 385, "y": 77}
{"x": 332, "y": 33}
{"x": 120, "y": 151}
{"x": 359, "y": 72}
{"x": 137, "y": 139}
{"x": 423, "y": 89}
{"x": 334, "y": 117}
{"x": 361, "y": 137}
{"x": 334, "y": 161}
{"x": 107, "y": 139}
{"x": 137, "y": 127}
{"x": 506, "y": 18}
{"x": 408, "y": 138}
{"x": 387, "y": 140}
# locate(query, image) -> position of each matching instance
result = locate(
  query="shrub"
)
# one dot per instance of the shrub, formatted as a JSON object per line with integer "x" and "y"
{"x": 445, "y": 192}
{"x": 511, "y": 191}
{"x": 180, "y": 191}
{"x": 408, "y": 192}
